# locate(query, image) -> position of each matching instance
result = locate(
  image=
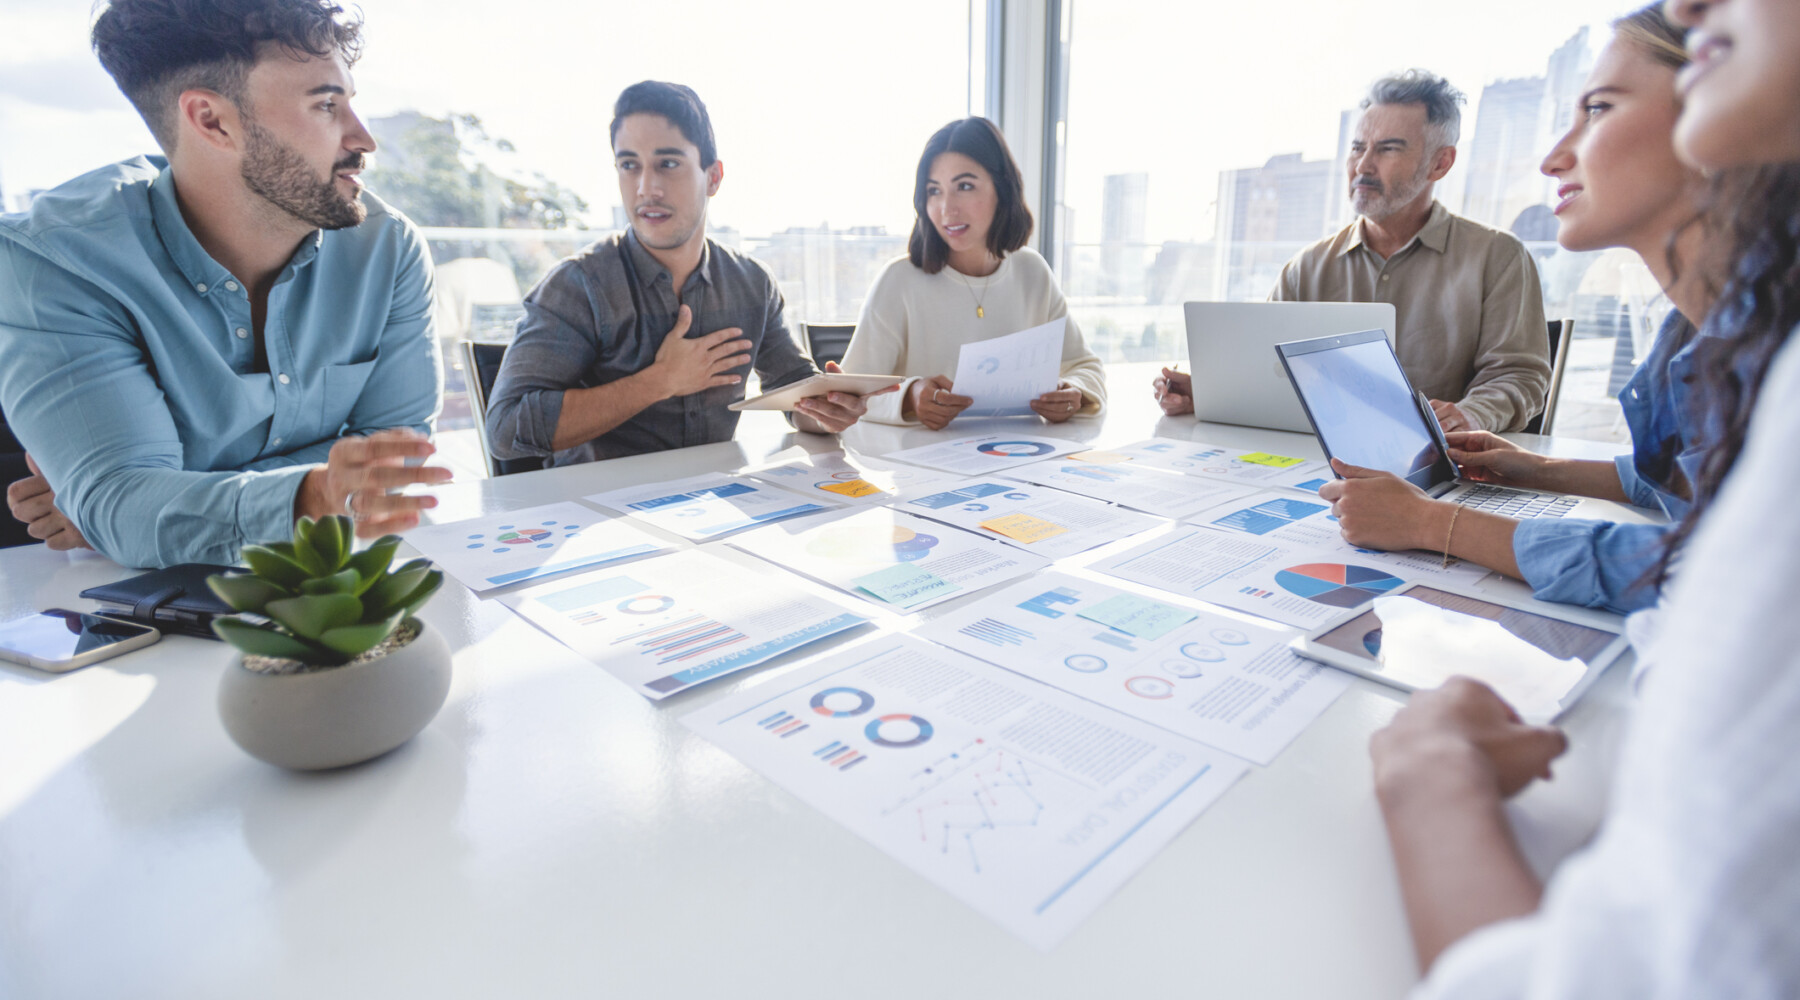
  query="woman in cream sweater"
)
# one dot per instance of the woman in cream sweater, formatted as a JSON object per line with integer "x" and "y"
{"x": 967, "y": 277}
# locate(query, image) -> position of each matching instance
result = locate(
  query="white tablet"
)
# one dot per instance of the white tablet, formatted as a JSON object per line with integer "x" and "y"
{"x": 785, "y": 397}
{"x": 1417, "y": 637}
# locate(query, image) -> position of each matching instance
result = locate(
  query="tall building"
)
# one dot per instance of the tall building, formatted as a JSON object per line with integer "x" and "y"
{"x": 1567, "y": 72}
{"x": 1503, "y": 178}
{"x": 1337, "y": 200}
{"x": 1122, "y": 218}
{"x": 1266, "y": 214}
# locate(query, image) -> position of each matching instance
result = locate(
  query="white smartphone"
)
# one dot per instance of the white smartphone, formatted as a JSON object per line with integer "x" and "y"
{"x": 59, "y": 641}
{"x": 1417, "y": 637}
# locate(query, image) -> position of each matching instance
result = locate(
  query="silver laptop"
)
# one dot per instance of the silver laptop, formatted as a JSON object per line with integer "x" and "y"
{"x": 1364, "y": 410}
{"x": 1230, "y": 348}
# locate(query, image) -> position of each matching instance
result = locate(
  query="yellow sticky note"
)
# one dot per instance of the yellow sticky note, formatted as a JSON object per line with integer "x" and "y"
{"x": 852, "y": 488}
{"x": 1274, "y": 461}
{"x": 1100, "y": 457}
{"x": 1024, "y": 528}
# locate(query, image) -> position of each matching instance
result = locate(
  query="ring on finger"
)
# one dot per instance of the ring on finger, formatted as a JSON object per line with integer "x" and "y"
{"x": 355, "y": 515}
{"x": 937, "y": 396}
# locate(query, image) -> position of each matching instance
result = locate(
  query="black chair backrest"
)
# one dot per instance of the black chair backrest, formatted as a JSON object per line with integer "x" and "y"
{"x": 483, "y": 363}
{"x": 1561, "y": 331}
{"x": 12, "y": 469}
{"x": 828, "y": 341}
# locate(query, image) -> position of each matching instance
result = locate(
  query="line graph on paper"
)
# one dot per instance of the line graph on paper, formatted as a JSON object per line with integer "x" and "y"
{"x": 970, "y": 801}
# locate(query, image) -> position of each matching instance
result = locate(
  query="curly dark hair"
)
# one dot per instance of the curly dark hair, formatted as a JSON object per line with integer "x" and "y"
{"x": 1755, "y": 212}
{"x": 979, "y": 140}
{"x": 155, "y": 49}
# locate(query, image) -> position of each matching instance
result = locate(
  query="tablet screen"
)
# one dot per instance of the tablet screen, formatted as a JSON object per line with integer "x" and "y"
{"x": 1363, "y": 408}
{"x": 1421, "y": 637}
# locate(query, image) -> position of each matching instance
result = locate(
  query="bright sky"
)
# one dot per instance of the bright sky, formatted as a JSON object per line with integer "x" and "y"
{"x": 821, "y": 106}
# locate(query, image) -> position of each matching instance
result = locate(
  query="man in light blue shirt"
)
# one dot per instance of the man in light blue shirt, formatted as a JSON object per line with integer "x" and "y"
{"x": 193, "y": 349}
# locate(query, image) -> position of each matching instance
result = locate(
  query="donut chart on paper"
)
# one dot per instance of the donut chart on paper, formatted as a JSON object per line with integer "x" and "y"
{"x": 1336, "y": 584}
{"x": 1015, "y": 449}
{"x": 874, "y": 730}
{"x": 831, "y": 701}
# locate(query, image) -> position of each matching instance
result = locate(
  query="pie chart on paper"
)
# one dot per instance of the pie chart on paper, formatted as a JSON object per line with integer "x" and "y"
{"x": 1336, "y": 584}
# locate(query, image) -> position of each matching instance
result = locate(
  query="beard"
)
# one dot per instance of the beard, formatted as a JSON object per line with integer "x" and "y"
{"x": 1378, "y": 202}
{"x": 273, "y": 170}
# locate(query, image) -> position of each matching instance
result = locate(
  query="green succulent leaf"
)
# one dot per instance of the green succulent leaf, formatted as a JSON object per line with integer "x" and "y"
{"x": 352, "y": 640}
{"x": 371, "y": 563}
{"x": 312, "y": 616}
{"x": 268, "y": 642}
{"x": 337, "y": 583}
{"x": 422, "y": 593}
{"x": 329, "y": 544}
{"x": 245, "y": 591}
{"x": 389, "y": 594}
{"x": 279, "y": 568}
{"x": 306, "y": 549}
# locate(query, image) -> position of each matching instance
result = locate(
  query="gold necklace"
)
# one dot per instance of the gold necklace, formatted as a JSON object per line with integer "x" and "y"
{"x": 979, "y": 312}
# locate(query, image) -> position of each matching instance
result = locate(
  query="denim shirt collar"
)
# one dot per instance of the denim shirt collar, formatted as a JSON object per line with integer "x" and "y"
{"x": 204, "y": 274}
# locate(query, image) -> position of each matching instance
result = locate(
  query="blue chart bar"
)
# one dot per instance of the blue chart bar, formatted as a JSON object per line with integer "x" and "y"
{"x": 1115, "y": 639}
{"x": 776, "y": 721}
{"x": 827, "y": 748}
{"x": 996, "y": 633}
{"x": 797, "y": 729}
{"x": 1266, "y": 517}
{"x": 1042, "y": 603}
{"x": 853, "y": 763}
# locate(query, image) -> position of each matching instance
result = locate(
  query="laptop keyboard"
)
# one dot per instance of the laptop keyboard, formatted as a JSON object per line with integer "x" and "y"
{"x": 1516, "y": 503}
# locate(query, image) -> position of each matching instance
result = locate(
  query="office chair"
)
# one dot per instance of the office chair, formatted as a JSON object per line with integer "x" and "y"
{"x": 828, "y": 341}
{"x": 12, "y": 469}
{"x": 482, "y": 362}
{"x": 1561, "y": 332}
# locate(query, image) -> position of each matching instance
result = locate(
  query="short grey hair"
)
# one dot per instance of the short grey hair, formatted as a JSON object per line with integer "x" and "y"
{"x": 1443, "y": 103}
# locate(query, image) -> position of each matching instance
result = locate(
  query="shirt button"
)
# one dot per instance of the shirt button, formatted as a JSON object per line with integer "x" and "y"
{"x": 231, "y": 286}
{"x": 276, "y": 441}
{"x": 242, "y": 333}
{"x": 283, "y": 379}
{"x": 1386, "y": 277}
{"x": 200, "y": 287}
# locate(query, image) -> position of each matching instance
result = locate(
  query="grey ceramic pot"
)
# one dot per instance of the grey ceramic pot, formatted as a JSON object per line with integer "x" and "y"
{"x": 344, "y": 715}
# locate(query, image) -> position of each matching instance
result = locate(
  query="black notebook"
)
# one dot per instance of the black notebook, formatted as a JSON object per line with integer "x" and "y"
{"x": 174, "y": 600}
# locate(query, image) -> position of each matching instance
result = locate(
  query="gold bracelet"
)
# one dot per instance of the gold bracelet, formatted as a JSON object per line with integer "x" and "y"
{"x": 1454, "y": 513}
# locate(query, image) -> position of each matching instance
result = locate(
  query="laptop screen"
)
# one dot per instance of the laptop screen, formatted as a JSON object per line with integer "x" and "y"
{"x": 1363, "y": 409}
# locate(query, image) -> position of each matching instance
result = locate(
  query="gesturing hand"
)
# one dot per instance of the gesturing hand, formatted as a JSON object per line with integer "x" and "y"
{"x": 1175, "y": 391}
{"x": 1059, "y": 404}
{"x": 836, "y": 411}
{"x": 33, "y": 501}
{"x": 934, "y": 403}
{"x": 687, "y": 365}
{"x": 360, "y": 472}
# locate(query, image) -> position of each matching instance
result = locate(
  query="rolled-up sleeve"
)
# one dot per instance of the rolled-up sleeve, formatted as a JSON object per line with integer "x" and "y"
{"x": 1596, "y": 564}
{"x": 557, "y": 343}
{"x": 78, "y": 390}
{"x": 1512, "y": 366}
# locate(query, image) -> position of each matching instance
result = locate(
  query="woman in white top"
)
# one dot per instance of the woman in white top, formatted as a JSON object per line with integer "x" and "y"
{"x": 1692, "y": 886}
{"x": 967, "y": 277}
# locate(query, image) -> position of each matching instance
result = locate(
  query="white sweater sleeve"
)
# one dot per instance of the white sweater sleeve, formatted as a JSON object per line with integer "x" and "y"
{"x": 878, "y": 347}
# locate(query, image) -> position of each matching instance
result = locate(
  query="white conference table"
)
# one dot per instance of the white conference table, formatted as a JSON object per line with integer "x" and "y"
{"x": 554, "y": 834}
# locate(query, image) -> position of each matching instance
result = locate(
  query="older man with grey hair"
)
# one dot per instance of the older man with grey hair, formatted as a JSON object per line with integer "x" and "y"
{"x": 1469, "y": 311}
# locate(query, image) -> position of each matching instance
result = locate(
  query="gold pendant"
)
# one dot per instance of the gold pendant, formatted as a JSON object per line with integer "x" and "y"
{"x": 979, "y": 314}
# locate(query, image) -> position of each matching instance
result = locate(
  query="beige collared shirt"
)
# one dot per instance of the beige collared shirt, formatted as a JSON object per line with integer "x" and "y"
{"x": 1469, "y": 312}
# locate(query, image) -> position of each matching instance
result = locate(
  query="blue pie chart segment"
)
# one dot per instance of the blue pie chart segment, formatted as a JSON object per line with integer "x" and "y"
{"x": 1336, "y": 584}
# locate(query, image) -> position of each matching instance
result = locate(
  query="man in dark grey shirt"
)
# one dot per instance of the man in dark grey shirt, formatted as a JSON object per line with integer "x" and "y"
{"x": 639, "y": 343}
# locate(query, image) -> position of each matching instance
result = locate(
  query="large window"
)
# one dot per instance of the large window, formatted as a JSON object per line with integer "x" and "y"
{"x": 1206, "y": 145}
{"x": 492, "y": 120}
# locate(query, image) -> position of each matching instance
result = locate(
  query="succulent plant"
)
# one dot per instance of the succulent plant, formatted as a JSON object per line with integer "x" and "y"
{"x": 325, "y": 604}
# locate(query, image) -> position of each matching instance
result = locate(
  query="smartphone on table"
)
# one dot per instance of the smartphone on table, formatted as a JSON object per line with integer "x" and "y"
{"x": 59, "y": 641}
